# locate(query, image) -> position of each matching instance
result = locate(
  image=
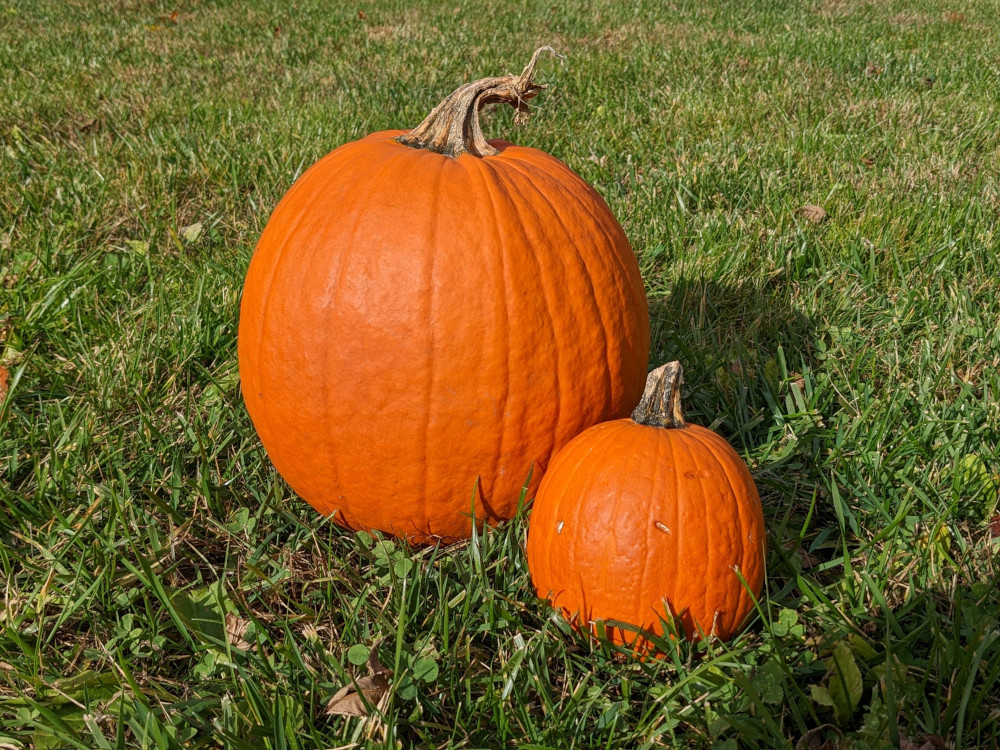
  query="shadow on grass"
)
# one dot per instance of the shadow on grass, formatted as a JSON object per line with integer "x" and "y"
{"x": 740, "y": 345}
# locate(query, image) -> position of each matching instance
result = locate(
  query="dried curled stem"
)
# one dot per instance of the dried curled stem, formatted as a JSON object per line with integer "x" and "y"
{"x": 453, "y": 128}
{"x": 660, "y": 405}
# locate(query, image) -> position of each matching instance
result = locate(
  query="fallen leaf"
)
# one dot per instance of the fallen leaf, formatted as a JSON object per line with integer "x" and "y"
{"x": 374, "y": 665}
{"x": 357, "y": 698}
{"x": 742, "y": 63}
{"x": 277, "y": 30}
{"x": 813, "y": 214}
{"x": 994, "y": 526}
{"x": 362, "y": 15}
{"x": 365, "y": 693}
{"x": 192, "y": 232}
{"x": 872, "y": 70}
{"x": 868, "y": 161}
{"x": 236, "y": 629}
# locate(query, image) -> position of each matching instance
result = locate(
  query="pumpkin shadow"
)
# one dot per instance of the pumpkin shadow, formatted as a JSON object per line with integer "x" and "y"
{"x": 741, "y": 345}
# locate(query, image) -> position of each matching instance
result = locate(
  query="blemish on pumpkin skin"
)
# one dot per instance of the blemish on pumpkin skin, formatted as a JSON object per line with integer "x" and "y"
{"x": 661, "y": 526}
{"x": 559, "y": 527}
{"x": 690, "y": 475}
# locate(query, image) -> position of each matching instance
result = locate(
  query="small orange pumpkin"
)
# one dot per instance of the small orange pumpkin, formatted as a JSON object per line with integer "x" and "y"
{"x": 640, "y": 520}
{"x": 429, "y": 315}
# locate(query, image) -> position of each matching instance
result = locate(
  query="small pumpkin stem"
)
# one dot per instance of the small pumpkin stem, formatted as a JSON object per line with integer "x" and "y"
{"x": 453, "y": 128}
{"x": 660, "y": 405}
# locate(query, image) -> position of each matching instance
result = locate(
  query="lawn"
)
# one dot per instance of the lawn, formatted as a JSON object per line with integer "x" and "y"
{"x": 163, "y": 588}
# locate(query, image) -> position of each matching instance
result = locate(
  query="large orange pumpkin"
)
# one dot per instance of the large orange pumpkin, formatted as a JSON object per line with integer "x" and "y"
{"x": 429, "y": 315}
{"x": 641, "y": 520}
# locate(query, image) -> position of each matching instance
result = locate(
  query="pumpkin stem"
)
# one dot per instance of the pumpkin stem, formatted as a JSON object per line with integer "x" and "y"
{"x": 452, "y": 127}
{"x": 660, "y": 405}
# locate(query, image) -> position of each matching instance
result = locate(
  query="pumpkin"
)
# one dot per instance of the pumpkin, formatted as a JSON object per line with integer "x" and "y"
{"x": 648, "y": 519}
{"x": 429, "y": 315}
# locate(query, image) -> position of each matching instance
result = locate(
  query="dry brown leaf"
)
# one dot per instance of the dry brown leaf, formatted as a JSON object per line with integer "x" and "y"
{"x": 236, "y": 629}
{"x": 868, "y": 161}
{"x": 872, "y": 70}
{"x": 813, "y": 214}
{"x": 348, "y": 701}
{"x": 374, "y": 665}
{"x": 351, "y": 699}
{"x": 994, "y": 525}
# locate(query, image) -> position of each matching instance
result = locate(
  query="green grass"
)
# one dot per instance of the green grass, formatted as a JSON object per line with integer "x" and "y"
{"x": 853, "y": 363}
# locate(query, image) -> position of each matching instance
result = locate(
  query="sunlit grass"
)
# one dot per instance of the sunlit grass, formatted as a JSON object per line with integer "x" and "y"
{"x": 163, "y": 588}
